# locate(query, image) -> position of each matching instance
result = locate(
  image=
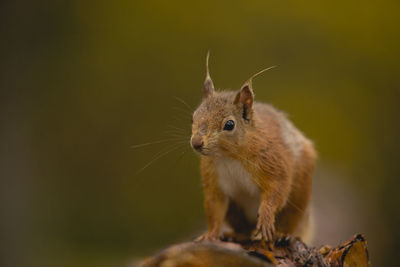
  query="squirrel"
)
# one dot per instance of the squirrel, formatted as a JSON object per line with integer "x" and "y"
{"x": 256, "y": 166}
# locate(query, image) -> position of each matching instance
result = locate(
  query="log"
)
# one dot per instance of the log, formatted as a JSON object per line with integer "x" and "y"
{"x": 283, "y": 251}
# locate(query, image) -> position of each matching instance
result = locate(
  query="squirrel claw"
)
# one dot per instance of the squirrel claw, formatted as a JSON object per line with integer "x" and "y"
{"x": 266, "y": 231}
{"x": 207, "y": 236}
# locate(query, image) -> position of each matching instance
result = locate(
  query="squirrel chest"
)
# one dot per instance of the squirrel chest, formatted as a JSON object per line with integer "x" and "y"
{"x": 237, "y": 184}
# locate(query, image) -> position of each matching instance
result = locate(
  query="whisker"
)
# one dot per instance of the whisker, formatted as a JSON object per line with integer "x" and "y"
{"x": 184, "y": 102}
{"x": 183, "y": 137}
{"x": 159, "y": 156}
{"x": 177, "y": 135}
{"x": 185, "y": 112}
{"x": 176, "y": 128}
{"x": 175, "y": 131}
{"x": 180, "y": 157}
{"x": 185, "y": 131}
{"x": 182, "y": 118}
{"x": 155, "y": 142}
{"x": 162, "y": 150}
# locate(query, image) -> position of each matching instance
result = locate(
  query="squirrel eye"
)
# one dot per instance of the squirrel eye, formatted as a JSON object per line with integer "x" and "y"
{"x": 229, "y": 125}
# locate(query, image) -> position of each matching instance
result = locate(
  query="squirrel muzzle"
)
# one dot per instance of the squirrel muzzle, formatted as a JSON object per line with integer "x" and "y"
{"x": 197, "y": 142}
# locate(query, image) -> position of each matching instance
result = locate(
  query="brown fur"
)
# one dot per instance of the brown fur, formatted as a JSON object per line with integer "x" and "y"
{"x": 263, "y": 141}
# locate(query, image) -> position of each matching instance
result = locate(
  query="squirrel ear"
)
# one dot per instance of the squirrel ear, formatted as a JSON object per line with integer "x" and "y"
{"x": 208, "y": 89}
{"x": 246, "y": 95}
{"x": 245, "y": 98}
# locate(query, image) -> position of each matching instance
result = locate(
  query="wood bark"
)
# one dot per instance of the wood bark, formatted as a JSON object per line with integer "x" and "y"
{"x": 283, "y": 251}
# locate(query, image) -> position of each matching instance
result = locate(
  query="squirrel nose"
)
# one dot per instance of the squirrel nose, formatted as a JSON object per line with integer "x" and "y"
{"x": 197, "y": 143}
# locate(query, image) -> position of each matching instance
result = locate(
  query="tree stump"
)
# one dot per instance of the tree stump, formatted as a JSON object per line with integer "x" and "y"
{"x": 284, "y": 251}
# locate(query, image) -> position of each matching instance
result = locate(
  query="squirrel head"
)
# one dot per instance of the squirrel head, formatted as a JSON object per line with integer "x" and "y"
{"x": 222, "y": 120}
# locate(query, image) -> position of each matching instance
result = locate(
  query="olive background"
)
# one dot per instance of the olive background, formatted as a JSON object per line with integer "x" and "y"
{"x": 83, "y": 81}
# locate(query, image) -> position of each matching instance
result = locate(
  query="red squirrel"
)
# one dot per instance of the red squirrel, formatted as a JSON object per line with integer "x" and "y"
{"x": 256, "y": 166}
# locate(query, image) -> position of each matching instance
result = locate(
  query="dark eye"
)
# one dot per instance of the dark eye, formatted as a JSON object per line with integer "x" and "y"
{"x": 229, "y": 125}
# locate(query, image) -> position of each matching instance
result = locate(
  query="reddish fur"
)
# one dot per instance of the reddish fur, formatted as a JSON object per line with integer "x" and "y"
{"x": 258, "y": 144}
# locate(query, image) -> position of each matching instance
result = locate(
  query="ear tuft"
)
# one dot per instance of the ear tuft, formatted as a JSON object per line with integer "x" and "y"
{"x": 208, "y": 89}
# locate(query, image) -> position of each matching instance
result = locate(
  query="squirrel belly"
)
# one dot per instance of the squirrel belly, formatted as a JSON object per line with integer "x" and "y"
{"x": 238, "y": 185}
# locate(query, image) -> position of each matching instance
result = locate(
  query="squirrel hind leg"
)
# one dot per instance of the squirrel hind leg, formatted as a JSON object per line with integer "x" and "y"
{"x": 296, "y": 224}
{"x": 306, "y": 227}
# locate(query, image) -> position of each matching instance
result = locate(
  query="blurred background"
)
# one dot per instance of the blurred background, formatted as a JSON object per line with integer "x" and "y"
{"x": 83, "y": 81}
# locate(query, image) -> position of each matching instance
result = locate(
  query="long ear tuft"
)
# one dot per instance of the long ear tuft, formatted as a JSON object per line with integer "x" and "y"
{"x": 208, "y": 89}
{"x": 250, "y": 80}
{"x": 245, "y": 97}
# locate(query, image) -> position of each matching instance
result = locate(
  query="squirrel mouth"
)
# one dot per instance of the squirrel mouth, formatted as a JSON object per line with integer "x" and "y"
{"x": 203, "y": 151}
{"x": 206, "y": 152}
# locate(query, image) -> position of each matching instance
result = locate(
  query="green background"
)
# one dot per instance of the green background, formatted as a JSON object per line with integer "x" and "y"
{"x": 83, "y": 81}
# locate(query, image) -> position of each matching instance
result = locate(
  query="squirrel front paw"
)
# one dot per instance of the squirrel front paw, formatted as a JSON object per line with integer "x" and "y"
{"x": 265, "y": 228}
{"x": 208, "y": 236}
